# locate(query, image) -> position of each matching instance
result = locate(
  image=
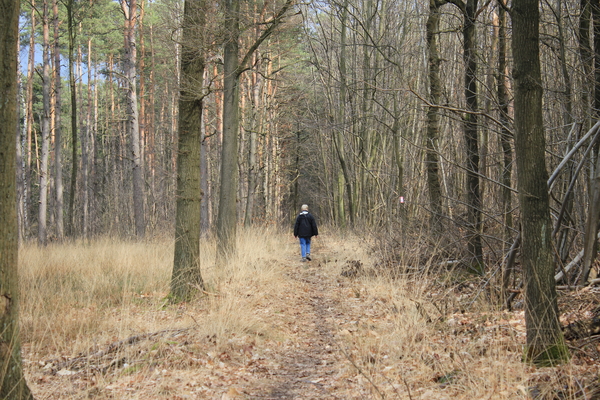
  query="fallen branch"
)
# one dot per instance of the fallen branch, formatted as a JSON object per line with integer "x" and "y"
{"x": 111, "y": 348}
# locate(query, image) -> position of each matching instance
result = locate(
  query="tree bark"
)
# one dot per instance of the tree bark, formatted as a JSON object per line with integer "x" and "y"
{"x": 343, "y": 177}
{"x": 12, "y": 381}
{"x": 505, "y": 143}
{"x": 133, "y": 128}
{"x": 585, "y": 52}
{"x": 545, "y": 342}
{"x": 433, "y": 118}
{"x": 43, "y": 199}
{"x": 471, "y": 137}
{"x": 74, "y": 132}
{"x": 227, "y": 216}
{"x": 58, "y": 177}
{"x": 187, "y": 278}
{"x": 29, "y": 118}
{"x": 255, "y": 83}
{"x": 85, "y": 147}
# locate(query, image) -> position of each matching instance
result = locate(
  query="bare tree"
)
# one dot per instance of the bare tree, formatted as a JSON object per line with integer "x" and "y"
{"x": 433, "y": 116}
{"x": 233, "y": 67}
{"x": 469, "y": 10}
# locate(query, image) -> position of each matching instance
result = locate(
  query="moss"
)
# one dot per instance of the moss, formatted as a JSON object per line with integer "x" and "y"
{"x": 550, "y": 356}
{"x": 476, "y": 268}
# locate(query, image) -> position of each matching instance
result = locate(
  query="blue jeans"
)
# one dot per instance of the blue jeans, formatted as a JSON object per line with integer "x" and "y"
{"x": 304, "y": 245}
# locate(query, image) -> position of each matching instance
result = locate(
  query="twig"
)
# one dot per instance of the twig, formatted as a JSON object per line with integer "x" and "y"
{"x": 360, "y": 371}
{"x": 407, "y": 388}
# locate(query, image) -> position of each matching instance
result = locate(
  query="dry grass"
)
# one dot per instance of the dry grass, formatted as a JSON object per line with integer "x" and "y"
{"x": 429, "y": 333}
{"x": 405, "y": 337}
{"x": 72, "y": 292}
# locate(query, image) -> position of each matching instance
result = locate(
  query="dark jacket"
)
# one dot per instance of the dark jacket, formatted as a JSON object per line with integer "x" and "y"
{"x": 305, "y": 226}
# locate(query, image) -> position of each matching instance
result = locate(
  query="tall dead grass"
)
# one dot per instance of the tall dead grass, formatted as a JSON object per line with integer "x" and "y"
{"x": 76, "y": 296}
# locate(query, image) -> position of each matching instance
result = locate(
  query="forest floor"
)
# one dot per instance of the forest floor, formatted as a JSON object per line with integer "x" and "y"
{"x": 313, "y": 334}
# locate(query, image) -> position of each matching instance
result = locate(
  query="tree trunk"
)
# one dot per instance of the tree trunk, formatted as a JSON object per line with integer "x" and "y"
{"x": 186, "y": 278}
{"x": 29, "y": 118}
{"x": 545, "y": 342}
{"x": 471, "y": 137}
{"x": 21, "y": 135}
{"x": 85, "y": 147}
{"x": 12, "y": 381}
{"x": 58, "y": 129}
{"x": 433, "y": 118}
{"x": 227, "y": 216}
{"x": 133, "y": 128}
{"x": 591, "y": 225}
{"x": 252, "y": 163}
{"x": 343, "y": 176}
{"x": 567, "y": 123}
{"x": 585, "y": 52}
{"x": 43, "y": 200}
{"x": 505, "y": 143}
{"x": 204, "y": 174}
{"x": 74, "y": 132}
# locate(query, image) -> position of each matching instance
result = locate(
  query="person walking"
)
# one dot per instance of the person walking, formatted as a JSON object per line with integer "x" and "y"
{"x": 305, "y": 228}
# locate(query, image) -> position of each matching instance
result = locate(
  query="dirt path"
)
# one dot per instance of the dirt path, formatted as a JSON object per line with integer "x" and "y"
{"x": 312, "y": 365}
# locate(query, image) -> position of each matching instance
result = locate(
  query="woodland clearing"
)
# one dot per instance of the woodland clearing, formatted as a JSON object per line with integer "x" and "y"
{"x": 96, "y": 323}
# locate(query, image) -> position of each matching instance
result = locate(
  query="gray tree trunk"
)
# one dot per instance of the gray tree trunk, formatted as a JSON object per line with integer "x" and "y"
{"x": 471, "y": 136}
{"x": 204, "y": 173}
{"x": 227, "y": 215}
{"x": 186, "y": 278}
{"x": 433, "y": 117}
{"x": 133, "y": 128}
{"x": 12, "y": 381}
{"x": 344, "y": 179}
{"x": 505, "y": 142}
{"x": 545, "y": 342}
{"x": 252, "y": 164}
